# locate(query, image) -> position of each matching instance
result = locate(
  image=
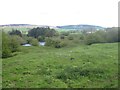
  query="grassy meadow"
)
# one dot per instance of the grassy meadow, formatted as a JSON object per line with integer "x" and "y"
{"x": 82, "y": 66}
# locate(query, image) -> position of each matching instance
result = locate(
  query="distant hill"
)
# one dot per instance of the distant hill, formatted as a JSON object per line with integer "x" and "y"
{"x": 81, "y": 27}
{"x": 16, "y": 25}
{"x": 65, "y": 27}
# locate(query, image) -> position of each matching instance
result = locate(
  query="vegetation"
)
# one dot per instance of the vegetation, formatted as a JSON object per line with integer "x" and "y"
{"x": 45, "y": 32}
{"x": 34, "y": 42}
{"x": 94, "y": 66}
{"x": 6, "y": 51}
{"x": 41, "y": 38}
{"x": 15, "y": 32}
{"x": 69, "y": 59}
{"x": 10, "y": 44}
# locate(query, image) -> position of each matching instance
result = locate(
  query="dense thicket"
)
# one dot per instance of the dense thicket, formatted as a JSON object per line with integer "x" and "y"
{"x": 44, "y": 32}
{"x": 110, "y": 35}
{"x": 9, "y": 44}
{"x": 15, "y": 32}
{"x": 14, "y": 39}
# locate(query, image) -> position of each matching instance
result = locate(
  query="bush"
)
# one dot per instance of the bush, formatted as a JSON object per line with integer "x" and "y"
{"x": 70, "y": 37}
{"x": 112, "y": 35}
{"x": 41, "y": 38}
{"x": 6, "y": 51}
{"x": 29, "y": 39}
{"x": 14, "y": 43}
{"x": 20, "y": 40}
{"x": 65, "y": 33}
{"x": 49, "y": 42}
{"x": 10, "y": 44}
{"x": 0, "y": 43}
{"x": 81, "y": 37}
{"x": 91, "y": 39}
{"x": 57, "y": 43}
{"x": 34, "y": 42}
{"x": 63, "y": 43}
{"x": 62, "y": 37}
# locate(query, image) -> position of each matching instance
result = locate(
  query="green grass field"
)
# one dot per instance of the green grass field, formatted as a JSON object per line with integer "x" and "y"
{"x": 94, "y": 66}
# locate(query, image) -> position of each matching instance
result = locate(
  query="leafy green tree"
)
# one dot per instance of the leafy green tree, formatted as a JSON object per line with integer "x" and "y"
{"x": 50, "y": 33}
{"x": 9, "y": 44}
{"x": 91, "y": 39}
{"x": 6, "y": 51}
{"x": 15, "y": 32}
{"x": 70, "y": 37}
{"x": 49, "y": 42}
{"x": 102, "y": 36}
{"x": 65, "y": 33}
{"x": 112, "y": 34}
{"x": 14, "y": 43}
{"x": 46, "y": 32}
{"x": 62, "y": 37}
{"x": 118, "y": 34}
{"x": 33, "y": 41}
{"x": 0, "y": 43}
{"x": 41, "y": 38}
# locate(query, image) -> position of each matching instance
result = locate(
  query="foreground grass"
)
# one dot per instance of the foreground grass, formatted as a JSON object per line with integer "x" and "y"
{"x": 94, "y": 66}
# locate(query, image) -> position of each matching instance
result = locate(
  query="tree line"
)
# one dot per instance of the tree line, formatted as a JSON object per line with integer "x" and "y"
{"x": 13, "y": 39}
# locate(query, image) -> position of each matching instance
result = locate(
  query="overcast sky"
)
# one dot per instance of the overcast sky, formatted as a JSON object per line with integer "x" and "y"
{"x": 59, "y": 12}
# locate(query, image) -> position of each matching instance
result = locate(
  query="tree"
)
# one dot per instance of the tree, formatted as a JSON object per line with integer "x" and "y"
{"x": 41, "y": 38}
{"x": 45, "y": 32}
{"x": 34, "y": 42}
{"x": 14, "y": 43}
{"x": 9, "y": 44}
{"x": 62, "y": 37}
{"x": 15, "y": 32}
{"x": 112, "y": 34}
{"x": 91, "y": 39}
{"x": 6, "y": 51}
{"x": 70, "y": 37}
{"x": 50, "y": 33}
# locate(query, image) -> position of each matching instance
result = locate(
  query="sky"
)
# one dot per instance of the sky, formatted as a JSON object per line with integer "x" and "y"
{"x": 59, "y": 12}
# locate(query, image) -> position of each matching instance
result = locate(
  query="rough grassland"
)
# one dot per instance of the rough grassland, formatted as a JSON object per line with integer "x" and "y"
{"x": 94, "y": 66}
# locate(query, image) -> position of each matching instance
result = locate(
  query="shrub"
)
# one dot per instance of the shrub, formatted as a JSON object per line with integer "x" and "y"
{"x": 34, "y": 42}
{"x": 20, "y": 40}
{"x": 65, "y": 33}
{"x": 57, "y": 43}
{"x": 70, "y": 37}
{"x": 6, "y": 51}
{"x": 14, "y": 43}
{"x": 112, "y": 35}
{"x": 63, "y": 43}
{"x": 41, "y": 38}
{"x": 62, "y": 37}
{"x": 0, "y": 43}
{"x": 91, "y": 39}
{"x": 29, "y": 39}
{"x": 81, "y": 37}
{"x": 10, "y": 44}
{"x": 49, "y": 42}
